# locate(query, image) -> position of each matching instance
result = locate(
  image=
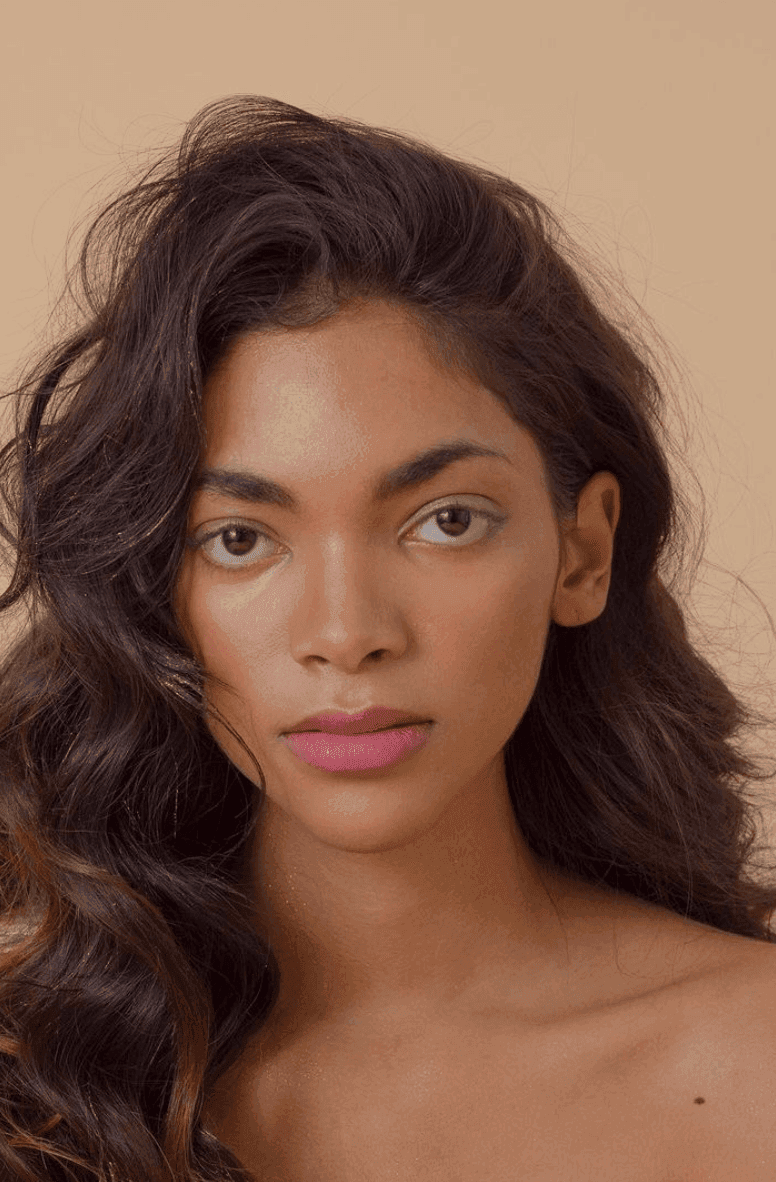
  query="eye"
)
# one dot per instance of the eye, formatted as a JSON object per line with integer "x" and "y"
{"x": 455, "y": 520}
{"x": 235, "y": 544}
{"x": 232, "y": 545}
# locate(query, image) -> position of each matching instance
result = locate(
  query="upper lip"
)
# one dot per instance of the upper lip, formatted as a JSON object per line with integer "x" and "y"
{"x": 374, "y": 718}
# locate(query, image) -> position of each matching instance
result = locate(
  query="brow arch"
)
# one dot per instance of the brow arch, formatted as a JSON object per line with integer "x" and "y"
{"x": 419, "y": 469}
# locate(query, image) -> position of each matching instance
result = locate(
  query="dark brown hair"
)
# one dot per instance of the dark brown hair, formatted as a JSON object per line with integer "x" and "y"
{"x": 135, "y": 974}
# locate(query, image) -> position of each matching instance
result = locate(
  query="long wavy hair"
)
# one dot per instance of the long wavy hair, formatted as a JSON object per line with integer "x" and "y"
{"x": 132, "y": 971}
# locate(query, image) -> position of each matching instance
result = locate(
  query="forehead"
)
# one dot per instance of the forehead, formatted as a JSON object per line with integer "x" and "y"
{"x": 361, "y": 386}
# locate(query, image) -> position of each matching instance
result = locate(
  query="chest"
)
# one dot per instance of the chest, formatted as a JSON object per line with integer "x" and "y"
{"x": 475, "y": 1107}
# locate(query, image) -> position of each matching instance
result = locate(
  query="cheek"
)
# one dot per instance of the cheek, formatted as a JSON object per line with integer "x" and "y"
{"x": 487, "y": 639}
{"x": 519, "y": 650}
{"x": 225, "y": 629}
{"x": 222, "y": 633}
{"x": 226, "y": 659}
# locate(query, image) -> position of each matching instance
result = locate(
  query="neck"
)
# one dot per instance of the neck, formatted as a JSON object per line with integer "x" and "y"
{"x": 461, "y": 911}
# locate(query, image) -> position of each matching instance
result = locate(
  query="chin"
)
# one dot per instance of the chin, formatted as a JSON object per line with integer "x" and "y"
{"x": 358, "y": 820}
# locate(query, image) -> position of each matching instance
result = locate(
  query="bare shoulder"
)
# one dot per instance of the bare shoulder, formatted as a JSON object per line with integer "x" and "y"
{"x": 700, "y": 1037}
{"x": 725, "y": 1052}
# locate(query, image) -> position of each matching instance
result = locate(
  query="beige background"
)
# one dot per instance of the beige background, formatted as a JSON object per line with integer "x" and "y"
{"x": 648, "y": 124}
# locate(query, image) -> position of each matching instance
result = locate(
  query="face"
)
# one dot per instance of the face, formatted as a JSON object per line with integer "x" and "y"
{"x": 435, "y": 600}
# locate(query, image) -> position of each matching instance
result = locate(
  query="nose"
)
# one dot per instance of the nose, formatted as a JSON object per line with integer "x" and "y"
{"x": 348, "y": 609}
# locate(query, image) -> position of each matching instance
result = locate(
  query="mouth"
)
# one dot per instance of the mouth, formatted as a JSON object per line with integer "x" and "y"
{"x": 369, "y": 721}
{"x": 366, "y": 751}
{"x": 375, "y": 731}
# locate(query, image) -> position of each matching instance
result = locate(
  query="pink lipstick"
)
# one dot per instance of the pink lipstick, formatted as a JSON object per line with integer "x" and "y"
{"x": 374, "y": 737}
{"x": 371, "y": 718}
{"x": 358, "y": 752}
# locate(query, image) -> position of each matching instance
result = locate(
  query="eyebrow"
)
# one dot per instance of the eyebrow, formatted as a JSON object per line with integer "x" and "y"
{"x": 419, "y": 469}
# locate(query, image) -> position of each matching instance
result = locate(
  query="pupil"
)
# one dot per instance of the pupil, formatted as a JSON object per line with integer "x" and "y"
{"x": 457, "y": 527}
{"x": 231, "y": 537}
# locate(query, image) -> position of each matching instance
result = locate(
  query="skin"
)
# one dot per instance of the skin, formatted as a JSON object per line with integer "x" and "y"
{"x": 410, "y": 888}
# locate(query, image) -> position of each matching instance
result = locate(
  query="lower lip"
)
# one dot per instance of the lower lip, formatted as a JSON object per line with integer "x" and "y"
{"x": 358, "y": 753}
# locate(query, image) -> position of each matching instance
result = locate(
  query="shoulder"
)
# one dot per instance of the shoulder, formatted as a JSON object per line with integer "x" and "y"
{"x": 726, "y": 1054}
{"x": 708, "y": 1019}
{"x": 750, "y": 1014}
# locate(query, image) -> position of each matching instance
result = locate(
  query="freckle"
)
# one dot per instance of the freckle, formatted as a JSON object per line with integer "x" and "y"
{"x": 699, "y": 1100}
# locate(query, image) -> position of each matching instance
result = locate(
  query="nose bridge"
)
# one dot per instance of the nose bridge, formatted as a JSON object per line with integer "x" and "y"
{"x": 344, "y": 603}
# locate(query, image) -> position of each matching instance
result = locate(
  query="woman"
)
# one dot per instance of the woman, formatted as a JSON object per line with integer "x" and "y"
{"x": 342, "y": 432}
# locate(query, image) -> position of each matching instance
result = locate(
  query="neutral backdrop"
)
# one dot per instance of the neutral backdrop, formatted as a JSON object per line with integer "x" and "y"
{"x": 648, "y": 125}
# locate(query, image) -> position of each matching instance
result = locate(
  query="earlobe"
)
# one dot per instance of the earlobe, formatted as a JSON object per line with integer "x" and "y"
{"x": 587, "y": 546}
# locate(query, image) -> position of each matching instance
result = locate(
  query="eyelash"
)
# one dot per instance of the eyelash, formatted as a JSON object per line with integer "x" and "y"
{"x": 196, "y": 543}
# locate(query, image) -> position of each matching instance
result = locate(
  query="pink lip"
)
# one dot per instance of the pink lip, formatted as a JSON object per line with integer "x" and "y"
{"x": 360, "y": 752}
{"x": 375, "y": 718}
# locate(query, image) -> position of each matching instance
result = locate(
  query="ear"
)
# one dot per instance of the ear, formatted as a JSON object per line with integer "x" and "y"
{"x": 587, "y": 545}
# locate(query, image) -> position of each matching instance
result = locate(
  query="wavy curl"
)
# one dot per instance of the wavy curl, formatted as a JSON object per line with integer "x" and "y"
{"x": 132, "y": 971}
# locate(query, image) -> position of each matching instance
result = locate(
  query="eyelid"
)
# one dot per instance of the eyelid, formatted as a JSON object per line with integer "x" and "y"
{"x": 426, "y": 511}
{"x": 462, "y": 499}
